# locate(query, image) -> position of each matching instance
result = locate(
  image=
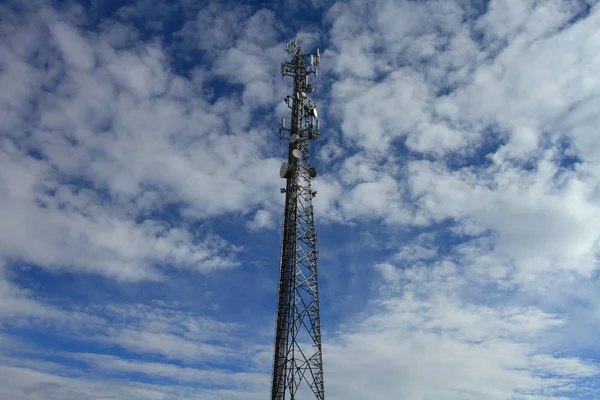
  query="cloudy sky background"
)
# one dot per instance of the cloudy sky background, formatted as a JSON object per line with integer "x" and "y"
{"x": 458, "y": 205}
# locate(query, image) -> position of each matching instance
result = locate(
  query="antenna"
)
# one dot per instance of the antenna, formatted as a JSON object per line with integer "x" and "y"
{"x": 297, "y": 358}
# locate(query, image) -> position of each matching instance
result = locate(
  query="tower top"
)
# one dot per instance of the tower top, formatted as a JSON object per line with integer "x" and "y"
{"x": 308, "y": 62}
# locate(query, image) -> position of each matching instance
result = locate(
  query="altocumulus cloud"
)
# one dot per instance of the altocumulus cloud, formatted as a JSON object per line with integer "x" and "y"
{"x": 137, "y": 149}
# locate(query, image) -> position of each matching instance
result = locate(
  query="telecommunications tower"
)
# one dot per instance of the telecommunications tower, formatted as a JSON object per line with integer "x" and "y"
{"x": 298, "y": 362}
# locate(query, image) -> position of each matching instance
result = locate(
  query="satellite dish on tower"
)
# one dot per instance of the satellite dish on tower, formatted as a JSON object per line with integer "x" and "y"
{"x": 285, "y": 170}
{"x": 294, "y": 138}
{"x": 296, "y": 153}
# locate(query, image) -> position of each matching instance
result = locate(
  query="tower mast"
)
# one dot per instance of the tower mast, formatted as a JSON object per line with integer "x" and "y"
{"x": 298, "y": 362}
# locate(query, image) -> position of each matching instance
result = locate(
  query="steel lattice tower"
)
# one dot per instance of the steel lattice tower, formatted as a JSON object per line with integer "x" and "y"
{"x": 298, "y": 362}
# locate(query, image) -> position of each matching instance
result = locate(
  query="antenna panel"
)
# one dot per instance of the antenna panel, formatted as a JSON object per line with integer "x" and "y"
{"x": 285, "y": 170}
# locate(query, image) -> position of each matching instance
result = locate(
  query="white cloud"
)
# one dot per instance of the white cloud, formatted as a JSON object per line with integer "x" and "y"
{"x": 389, "y": 273}
{"x": 541, "y": 219}
{"x": 330, "y": 151}
{"x": 421, "y": 249}
{"x": 201, "y": 343}
{"x": 15, "y": 301}
{"x": 99, "y": 134}
{"x": 246, "y": 381}
{"x": 74, "y": 48}
{"x": 71, "y": 229}
{"x": 375, "y": 115}
{"x": 436, "y": 138}
{"x": 522, "y": 78}
{"x": 138, "y": 137}
{"x": 262, "y": 219}
{"x": 427, "y": 341}
{"x": 378, "y": 199}
{"x": 516, "y": 217}
{"x": 17, "y": 383}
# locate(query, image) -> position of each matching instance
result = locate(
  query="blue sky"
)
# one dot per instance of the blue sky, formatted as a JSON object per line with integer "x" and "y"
{"x": 457, "y": 211}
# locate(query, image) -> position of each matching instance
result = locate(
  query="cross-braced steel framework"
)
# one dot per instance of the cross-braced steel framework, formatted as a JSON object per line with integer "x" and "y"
{"x": 298, "y": 362}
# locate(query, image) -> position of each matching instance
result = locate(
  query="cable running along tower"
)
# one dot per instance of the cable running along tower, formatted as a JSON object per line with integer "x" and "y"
{"x": 298, "y": 362}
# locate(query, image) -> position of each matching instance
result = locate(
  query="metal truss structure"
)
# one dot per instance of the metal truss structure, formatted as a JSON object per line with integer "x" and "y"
{"x": 298, "y": 362}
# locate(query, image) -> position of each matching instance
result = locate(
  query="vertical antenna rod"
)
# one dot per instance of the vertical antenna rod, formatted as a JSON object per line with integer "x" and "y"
{"x": 298, "y": 362}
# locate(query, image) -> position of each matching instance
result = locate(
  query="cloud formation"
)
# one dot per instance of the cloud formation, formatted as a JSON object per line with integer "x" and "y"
{"x": 459, "y": 141}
